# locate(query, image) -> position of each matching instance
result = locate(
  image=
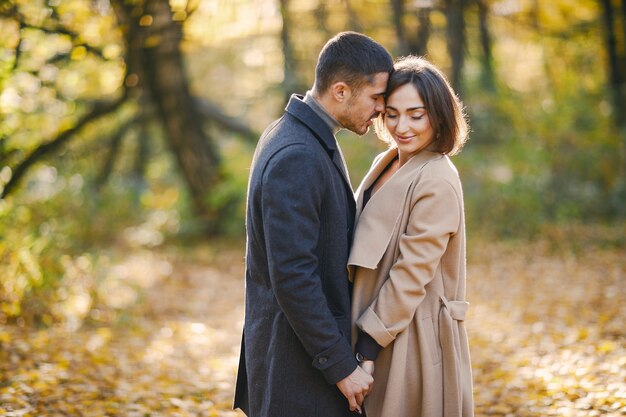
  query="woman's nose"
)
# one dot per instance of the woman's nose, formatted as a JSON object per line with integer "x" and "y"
{"x": 402, "y": 125}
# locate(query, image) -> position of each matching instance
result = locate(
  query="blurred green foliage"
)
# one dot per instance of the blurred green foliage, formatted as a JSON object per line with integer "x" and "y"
{"x": 545, "y": 159}
{"x": 541, "y": 159}
{"x": 55, "y": 235}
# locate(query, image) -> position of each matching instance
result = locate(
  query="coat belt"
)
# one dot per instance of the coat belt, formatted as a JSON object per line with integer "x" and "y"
{"x": 450, "y": 312}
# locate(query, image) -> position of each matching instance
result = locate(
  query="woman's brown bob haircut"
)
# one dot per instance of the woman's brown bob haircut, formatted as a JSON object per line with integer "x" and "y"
{"x": 445, "y": 110}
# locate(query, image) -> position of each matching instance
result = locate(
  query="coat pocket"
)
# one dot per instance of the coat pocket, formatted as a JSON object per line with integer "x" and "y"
{"x": 429, "y": 332}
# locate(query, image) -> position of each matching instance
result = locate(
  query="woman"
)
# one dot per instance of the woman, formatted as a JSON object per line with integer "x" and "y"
{"x": 408, "y": 257}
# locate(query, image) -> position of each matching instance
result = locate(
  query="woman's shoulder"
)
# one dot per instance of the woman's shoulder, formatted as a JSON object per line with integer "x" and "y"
{"x": 440, "y": 166}
{"x": 438, "y": 175}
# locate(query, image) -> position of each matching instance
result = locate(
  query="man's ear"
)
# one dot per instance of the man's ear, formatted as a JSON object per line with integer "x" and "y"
{"x": 340, "y": 91}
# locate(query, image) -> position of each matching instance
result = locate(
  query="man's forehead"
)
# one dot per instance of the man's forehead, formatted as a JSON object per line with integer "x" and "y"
{"x": 379, "y": 82}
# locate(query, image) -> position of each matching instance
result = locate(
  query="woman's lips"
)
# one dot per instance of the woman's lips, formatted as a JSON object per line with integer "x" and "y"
{"x": 404, "y": 138}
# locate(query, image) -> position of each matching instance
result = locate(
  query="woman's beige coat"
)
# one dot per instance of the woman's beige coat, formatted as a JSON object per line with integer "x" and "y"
{"x": 408, "y": 267}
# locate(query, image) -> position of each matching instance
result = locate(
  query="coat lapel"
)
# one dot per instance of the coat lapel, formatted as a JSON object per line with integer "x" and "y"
{"x": 380, "y": 162}
{"x": 301, "y": 111}
{"x": 376, "y": 223}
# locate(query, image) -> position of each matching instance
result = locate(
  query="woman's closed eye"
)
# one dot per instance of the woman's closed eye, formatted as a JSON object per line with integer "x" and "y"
{"x": 394, "y": 116}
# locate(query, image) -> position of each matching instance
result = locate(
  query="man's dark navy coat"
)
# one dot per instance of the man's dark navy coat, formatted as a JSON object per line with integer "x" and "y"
{"x": 296, "y": 341}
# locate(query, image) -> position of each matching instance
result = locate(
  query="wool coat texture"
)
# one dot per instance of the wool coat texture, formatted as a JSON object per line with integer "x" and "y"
{"x": 408, "y": 267}
{"x": 300, "y": 216}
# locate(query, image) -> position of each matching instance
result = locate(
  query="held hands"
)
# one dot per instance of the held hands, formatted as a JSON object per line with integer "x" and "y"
{"x": 368, "y": 366}
{"x": 355, "y": 387}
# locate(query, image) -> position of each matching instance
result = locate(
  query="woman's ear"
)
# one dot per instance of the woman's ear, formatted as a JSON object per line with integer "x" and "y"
{"x": 340, "y": 91}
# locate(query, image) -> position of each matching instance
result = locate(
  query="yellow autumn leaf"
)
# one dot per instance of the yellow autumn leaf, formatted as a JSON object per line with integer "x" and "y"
{"x": 78, "y": 53}
{"x": 606, "y": 346}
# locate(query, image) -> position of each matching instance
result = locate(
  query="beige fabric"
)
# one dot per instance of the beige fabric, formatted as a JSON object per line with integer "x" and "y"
{"x": 408, "y": 267}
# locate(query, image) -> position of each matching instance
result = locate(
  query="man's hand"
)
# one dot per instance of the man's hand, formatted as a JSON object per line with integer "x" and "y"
{"x": 355, "y": 387}
{"x": 368, "y": 366}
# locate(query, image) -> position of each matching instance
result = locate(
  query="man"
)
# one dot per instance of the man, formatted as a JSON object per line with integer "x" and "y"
{"x": 296, "y": 357}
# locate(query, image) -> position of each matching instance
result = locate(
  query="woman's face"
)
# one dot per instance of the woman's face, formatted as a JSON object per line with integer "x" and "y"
{"x": 407, "y": 120}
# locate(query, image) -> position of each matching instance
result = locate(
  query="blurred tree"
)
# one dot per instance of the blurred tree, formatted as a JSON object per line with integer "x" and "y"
{"x": 76, "y": 74}
{"x": 353, "y": 20}
{"x": 291, "y": 81}
{"x": 142, "y": 152}
{"x": 113, "y": 149}
{"x": 423, "y": 31}
{"x": 154, "y": 90}
{"x": 487, "y": 74}
{"x": 321, "y": 16}
{"x": 455, "y": 29}
{"x": 398, "y": 22}
{"x": 154, "y": 37}
{"x": 616, "y": 57}
{"x": 534, "y": 15}
{"x": 624, "y": 22}
{"x": 407, "y": 44}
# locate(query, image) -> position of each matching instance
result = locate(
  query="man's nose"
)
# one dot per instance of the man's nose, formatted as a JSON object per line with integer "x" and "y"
{"x": 380, "y": 104}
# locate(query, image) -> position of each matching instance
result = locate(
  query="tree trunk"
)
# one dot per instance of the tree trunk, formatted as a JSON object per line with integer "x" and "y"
{"x": 141, "y": 154}
{"x": 321, "y": 16}
{"x": 624, "y": 26}
{"x": 487, "y": 76}
{"x": 423, "y": 32}
{"x": 397, "y": 7}
{"x": 617, "y": 86}
{"x": 154, "y": 48}
{"x": 623, "y": 64}
{"x": 353, "y": 20}
{"x": 290, "y": 82}
{"x": 112, "y": 155}
{"x": 616, "y": 76}
{"x": 534, "y": 15}
{"x": 408, "y": 44}
{"x": 455, "y": 14}
{"x": 610, "y": 39}
{"x": 196, "y": 153}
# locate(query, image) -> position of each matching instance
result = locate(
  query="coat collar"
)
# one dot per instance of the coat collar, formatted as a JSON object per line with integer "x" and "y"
{"x": 376, "y": 222}
{"x": 307, "y": 116}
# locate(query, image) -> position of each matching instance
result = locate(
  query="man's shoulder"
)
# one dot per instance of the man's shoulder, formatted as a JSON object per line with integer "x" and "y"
{"x": 286, "y": 132}
{"x": 286, "y": 140}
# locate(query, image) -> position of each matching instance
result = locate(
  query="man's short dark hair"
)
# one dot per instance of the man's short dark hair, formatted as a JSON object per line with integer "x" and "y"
{"x": 353, "y": 58}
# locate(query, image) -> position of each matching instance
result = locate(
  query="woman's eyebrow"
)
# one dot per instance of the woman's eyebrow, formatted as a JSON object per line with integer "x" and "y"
{"x": 409, "y": 109}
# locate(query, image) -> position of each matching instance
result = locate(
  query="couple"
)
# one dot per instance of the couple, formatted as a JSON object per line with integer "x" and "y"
{"x": 384, "y": 336}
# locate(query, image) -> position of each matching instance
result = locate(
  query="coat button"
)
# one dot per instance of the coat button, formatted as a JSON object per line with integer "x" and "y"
{"x": 322, "y": 360}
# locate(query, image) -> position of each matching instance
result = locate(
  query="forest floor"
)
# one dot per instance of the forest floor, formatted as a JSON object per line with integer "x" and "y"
{"x": 546, "y": 329}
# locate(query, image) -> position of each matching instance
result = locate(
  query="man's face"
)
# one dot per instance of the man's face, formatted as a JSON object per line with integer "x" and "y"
{"x": 363, "y": 107}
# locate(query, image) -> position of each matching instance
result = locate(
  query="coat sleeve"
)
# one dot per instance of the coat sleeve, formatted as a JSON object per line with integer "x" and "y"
{"x": 435, "y": 216}
{"x": 293, "y": 189}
